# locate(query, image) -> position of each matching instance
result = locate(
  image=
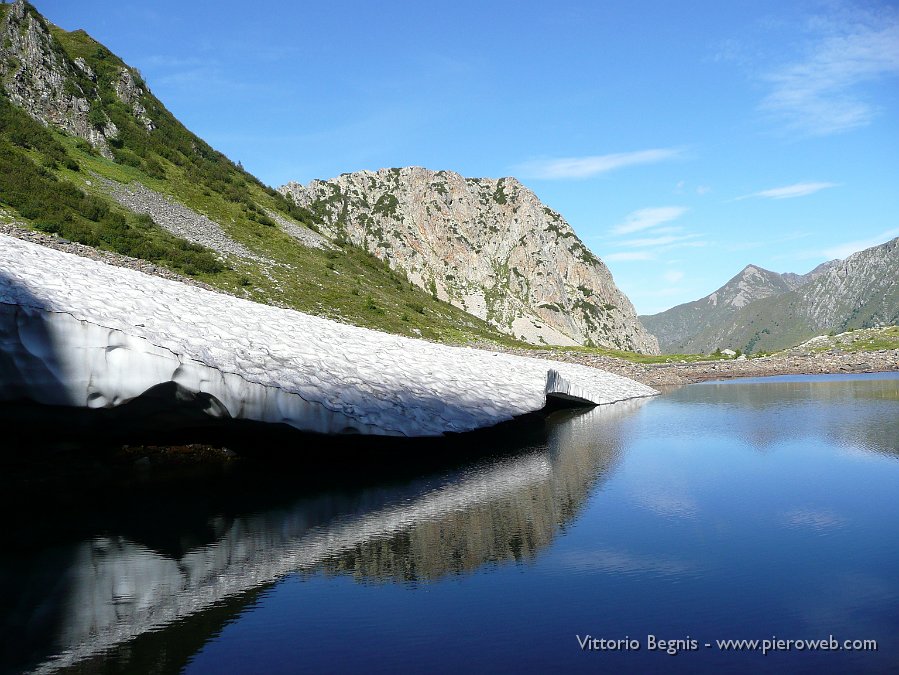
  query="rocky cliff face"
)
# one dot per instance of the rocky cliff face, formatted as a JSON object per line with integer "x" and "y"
{"x": 488, "y": 246}
{"x": 39, "y": 77}
{"x": 858, "y": 292}
{"x": 760, "y": 310}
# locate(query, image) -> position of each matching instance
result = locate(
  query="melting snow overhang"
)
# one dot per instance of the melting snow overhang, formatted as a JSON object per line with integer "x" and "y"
{"x": 79, "y": 332}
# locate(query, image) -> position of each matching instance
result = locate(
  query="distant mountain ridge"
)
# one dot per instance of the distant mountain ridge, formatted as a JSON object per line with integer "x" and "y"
{"x": 489, "y": 246}
{"x": 760, "y": 310}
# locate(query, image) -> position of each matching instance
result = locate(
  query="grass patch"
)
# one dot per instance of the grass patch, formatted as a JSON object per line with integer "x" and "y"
{"x": 636, "y": 357}
{"x": 859, "y": 340}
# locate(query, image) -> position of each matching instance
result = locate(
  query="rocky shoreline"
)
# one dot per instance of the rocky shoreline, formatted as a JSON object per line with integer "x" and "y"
{"x": 792, "y": 362}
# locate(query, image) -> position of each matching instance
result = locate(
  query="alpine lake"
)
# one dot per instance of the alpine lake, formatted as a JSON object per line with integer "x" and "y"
{"x": 642, "y": 536}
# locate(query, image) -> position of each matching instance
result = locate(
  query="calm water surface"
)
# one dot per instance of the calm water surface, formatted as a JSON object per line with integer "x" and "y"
{"x": 757, "y": 509}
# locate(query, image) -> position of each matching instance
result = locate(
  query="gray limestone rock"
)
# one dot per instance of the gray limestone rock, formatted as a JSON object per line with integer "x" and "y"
{"x": 488, "y": 246}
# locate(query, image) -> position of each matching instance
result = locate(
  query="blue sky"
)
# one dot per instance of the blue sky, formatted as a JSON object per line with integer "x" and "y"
{"x": 682, "y": 141}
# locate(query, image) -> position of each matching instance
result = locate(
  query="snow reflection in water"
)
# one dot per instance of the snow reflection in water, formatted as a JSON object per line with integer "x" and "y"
{"x": 504, "y": 509}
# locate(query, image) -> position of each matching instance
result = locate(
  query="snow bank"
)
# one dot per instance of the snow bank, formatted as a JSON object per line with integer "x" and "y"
{"x": 78, "y": 332}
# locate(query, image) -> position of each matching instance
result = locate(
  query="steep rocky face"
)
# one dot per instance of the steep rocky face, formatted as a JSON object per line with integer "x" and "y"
{"x": 858, "y": 292}
{"x": 39, "y": 77}
{"x": 488, "y": 246}
{"x": 797, "y": 280}
{"x": 751, "y": 284}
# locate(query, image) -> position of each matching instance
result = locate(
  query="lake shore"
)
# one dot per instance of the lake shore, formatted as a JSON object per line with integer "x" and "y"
{"x": 791, "y": 362}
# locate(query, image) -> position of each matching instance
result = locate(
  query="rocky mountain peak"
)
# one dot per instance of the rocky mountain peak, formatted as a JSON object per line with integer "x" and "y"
{"x": 751, "y": 284}
{"x": 487, "y": 245}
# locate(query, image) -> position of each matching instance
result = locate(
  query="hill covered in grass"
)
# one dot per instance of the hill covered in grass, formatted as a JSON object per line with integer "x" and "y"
{"x": 89, "y": 154}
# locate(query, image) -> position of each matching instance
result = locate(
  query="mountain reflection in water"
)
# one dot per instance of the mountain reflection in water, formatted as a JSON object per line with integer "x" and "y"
{"x": 108, "y": 590}
{"x": 835, "y": 408}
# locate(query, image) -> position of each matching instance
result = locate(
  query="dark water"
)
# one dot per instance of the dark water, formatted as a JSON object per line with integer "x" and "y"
{"x": 764, "y": 509}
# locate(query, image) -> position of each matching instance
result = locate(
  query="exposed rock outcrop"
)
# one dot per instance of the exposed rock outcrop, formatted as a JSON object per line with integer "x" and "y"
{"x": 130, "y": 92}
{"x": 489, "y": 246}
{"x": 39, "y": 77}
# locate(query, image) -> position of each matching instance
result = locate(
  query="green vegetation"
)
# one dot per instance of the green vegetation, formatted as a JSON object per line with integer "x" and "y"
{"x": 168, "y": 143}
{"x": 499, "y": 194}
{"x": 58, "y": 206}
{"x": 344, "y": 282}
{"x": 859, "y": 340}
{"x": 55, "y": 182}
{"x": 386, "y": 205}
{"x": 18, "y": 129}
{"x": 636, "y": 357}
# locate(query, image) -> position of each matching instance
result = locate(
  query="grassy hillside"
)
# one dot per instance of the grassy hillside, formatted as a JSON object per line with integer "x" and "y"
{"x": 54, "y": 182}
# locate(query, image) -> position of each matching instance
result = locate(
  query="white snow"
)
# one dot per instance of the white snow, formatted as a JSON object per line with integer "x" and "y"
{"x": 80, "y": 332}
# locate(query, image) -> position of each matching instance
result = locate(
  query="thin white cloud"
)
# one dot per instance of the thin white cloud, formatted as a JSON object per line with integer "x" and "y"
{"x": 673, "y": 276}
{"x": 585, "y": 167}
{"x": 848, "y": 248}
{"x": 628, "y": 256}
{"x": 644, "y": 219}
{"x": 790, "y": 191}
{"x": 658, "y": 241}
{"x": 822, "y": 93}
